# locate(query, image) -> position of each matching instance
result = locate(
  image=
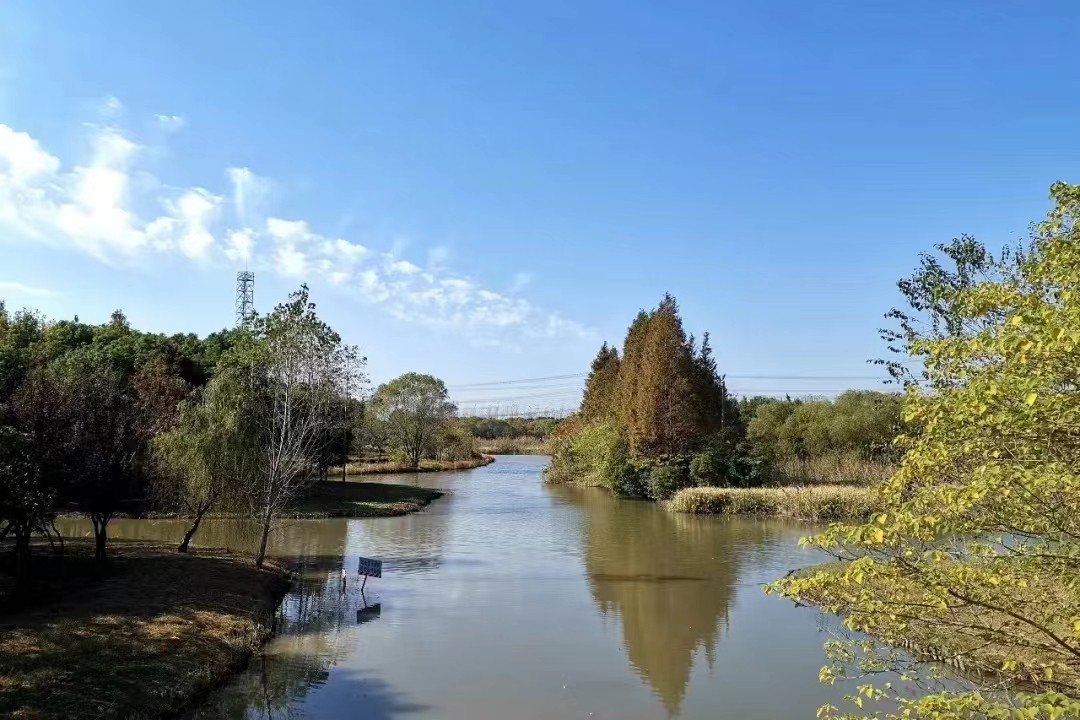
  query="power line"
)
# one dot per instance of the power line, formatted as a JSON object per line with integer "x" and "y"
{"x": 730, "y": 376}
{"x": 514, "y": 382}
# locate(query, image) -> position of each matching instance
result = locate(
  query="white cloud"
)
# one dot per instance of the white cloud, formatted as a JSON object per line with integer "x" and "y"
{"x": 239, "y": 245}
{"x": 112, "y": 106}
{"x": 402, "y": 267}
{"x": 249, "y": 194}
{"x": 17, "y": 287}
{"x": 290, "y": 262}
{"x": 170, "y": 123}
{"x": 197, "y": 209}
{"x": 106, "y": 204}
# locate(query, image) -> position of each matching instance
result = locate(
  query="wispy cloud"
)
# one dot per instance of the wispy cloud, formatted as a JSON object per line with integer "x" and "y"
{"x": 107, "y": 205}
{"x": 19, "y": 288}
{"x": 170, "y": 123}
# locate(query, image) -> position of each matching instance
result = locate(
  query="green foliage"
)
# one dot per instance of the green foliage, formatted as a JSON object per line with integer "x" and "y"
{"x": 590, "y": 456}
{"x": 665, "y": 479}
{"x": 414, "y": 410}
{"x": 716, "y": 466}
{"x": 662, "y": 399}
{"x": 932, "y": 292}
{"x": 90, "y": 399}
{"x": 976, "y": 546}
{"x": 858, "y": 422}
{"x": 630, "y": 480}
{"x": 209, "y": 456}
{"x": 706, "y": 469}
{"x": 514, "y": 428}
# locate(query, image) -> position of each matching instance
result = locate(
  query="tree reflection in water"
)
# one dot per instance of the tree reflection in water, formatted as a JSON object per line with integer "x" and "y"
{"x": 670, "y": 579}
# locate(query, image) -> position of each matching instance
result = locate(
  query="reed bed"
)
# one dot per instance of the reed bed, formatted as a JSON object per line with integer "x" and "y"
{"x": 388, "y": 467}
{"x": 808, "y": 502}
{"x": 830, "y": 470}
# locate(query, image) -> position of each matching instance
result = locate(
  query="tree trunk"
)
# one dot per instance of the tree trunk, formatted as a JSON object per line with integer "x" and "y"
{"x": 261, "y": 556}
{"x": 101, "y": 524}
{"x": 192, "y": 530}
{"x": 59, "y": 535}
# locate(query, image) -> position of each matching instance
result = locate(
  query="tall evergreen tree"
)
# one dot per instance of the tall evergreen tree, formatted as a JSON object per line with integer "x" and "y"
{"x": 716, "y": 410}
{"x": 626, "y": 383}
{"x": 598, "y": 402}
{"x": 665, "y": 416}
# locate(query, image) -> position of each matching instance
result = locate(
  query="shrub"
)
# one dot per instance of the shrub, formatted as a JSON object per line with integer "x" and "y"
{"x": 593, "y": 455}
{"x": 706, "y": 469}
{"x": 714, "y": 467}
{"x": 630, "y": 481}
{"x": 667, "y": 479}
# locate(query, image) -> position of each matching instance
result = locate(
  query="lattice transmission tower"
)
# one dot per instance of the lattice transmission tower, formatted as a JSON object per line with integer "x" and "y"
{"x": 245, "y": 297}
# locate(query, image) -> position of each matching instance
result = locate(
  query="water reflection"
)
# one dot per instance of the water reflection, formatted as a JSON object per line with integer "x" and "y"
{"x": 670, "y": 579}
{"x": 511, "y": 598}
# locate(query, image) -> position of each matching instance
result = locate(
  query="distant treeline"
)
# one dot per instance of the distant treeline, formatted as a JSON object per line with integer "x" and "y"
{"x": 658, "y": 417}
{"x": 510, "y": 428}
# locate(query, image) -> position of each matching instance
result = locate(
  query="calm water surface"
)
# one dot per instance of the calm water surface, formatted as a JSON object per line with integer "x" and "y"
{"x": 512, "y": 599}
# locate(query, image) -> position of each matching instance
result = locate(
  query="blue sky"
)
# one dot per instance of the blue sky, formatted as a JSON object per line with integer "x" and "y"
{"x": 486, "y": 190}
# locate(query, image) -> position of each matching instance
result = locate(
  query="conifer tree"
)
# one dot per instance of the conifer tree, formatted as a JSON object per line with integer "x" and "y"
{"x": 598, "y": 402}
{"x": 626, "y": 384}
{"x": 716, "y": 409}
{"x": 665, "y": 416}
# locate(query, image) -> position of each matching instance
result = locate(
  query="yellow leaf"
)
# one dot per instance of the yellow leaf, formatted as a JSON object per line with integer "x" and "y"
{"x": 1031, "y": 397}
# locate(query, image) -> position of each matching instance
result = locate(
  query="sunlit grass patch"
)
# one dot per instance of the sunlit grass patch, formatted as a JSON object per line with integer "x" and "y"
{"x": 808, "y": 502}
{"x": 334, "y": 498}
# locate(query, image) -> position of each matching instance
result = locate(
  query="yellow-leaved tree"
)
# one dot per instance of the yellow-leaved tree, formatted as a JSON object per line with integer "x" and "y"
{"x": 975, "y": 560}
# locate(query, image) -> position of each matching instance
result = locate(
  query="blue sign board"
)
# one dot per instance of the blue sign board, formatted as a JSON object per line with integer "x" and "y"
{"x": 370, "y": 568}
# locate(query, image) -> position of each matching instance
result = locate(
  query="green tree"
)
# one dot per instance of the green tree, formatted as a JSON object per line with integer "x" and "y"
{"x": 211, "y": 454}
{"x": 932, "y": 293}
{"x": 26, "y": 499}
{"x": 98, "y": 450}
{"x": 976, "y": 550}
{"x": 299, "y": 369}
{"x": 413, "y": 409}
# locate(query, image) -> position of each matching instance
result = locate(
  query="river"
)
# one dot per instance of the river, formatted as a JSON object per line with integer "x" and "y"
{"x": 509, "y": 598}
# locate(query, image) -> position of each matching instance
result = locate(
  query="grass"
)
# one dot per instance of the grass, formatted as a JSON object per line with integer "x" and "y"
{"x": 149, "y": 639}
{"x": 333, "y": 498}
{"x": 516, "y": 446}
{"x": 809, "y": 502}
{"x": 830, "y": 470}
{"x": 390, "y": 466}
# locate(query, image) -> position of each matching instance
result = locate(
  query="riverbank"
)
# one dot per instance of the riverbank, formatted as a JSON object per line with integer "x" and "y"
{"x": 360, "y": 498}
{"x": 390, "y": 467}
{"x": 151, "y": 638}
{"x": 815, "y": 503}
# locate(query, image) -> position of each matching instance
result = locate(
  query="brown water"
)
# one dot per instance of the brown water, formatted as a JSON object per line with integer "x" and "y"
{"x": 509, "y": 598}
